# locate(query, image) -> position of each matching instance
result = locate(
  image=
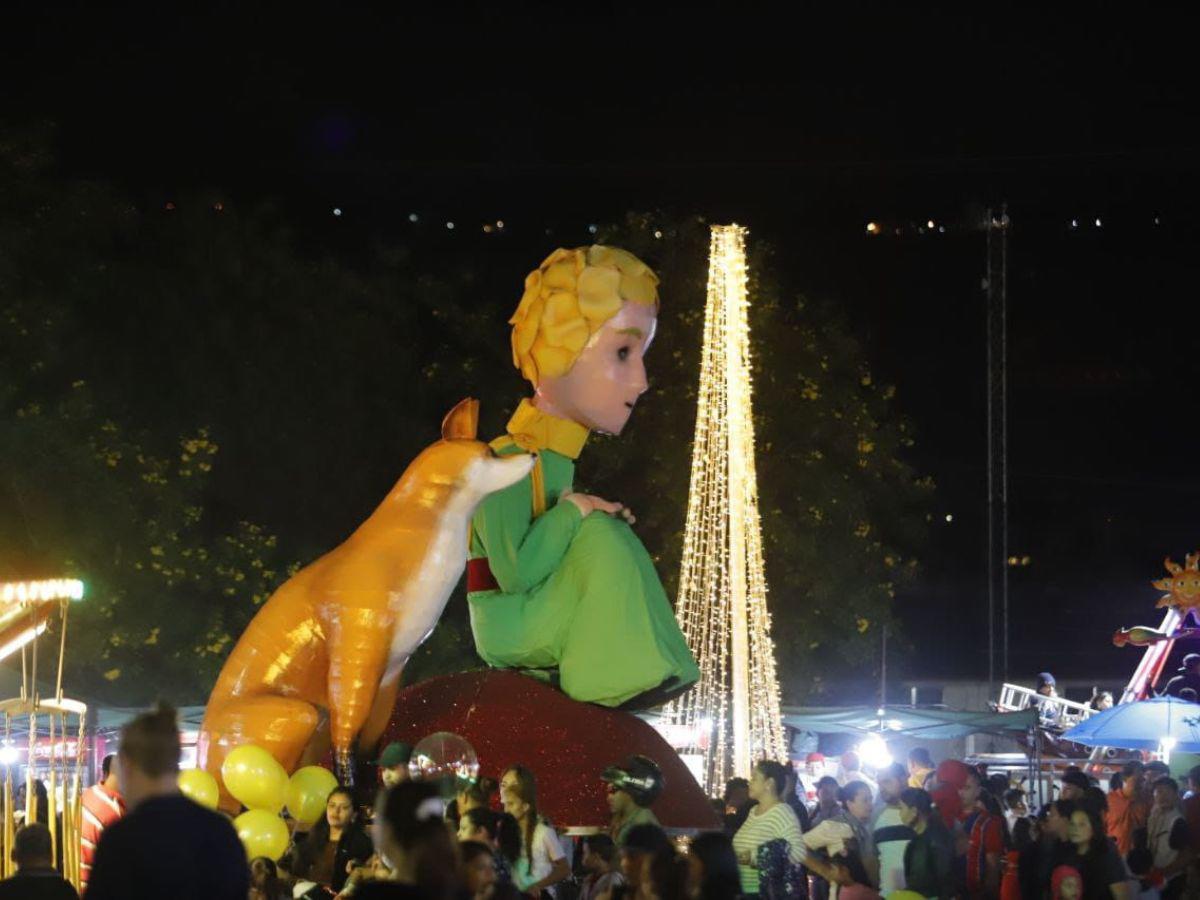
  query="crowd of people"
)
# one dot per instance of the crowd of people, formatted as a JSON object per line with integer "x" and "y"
{"x": 954, "y": 831}
{"x": 945, "y": 830}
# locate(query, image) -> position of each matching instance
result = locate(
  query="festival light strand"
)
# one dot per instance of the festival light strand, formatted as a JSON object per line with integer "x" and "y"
{"x": 732, "y": 715}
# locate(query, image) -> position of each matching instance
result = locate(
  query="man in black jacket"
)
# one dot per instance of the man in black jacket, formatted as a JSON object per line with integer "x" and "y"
{"x": 167, "y": 845}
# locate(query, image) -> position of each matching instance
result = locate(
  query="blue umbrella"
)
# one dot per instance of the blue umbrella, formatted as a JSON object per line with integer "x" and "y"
{"x": 1142, "y": 726}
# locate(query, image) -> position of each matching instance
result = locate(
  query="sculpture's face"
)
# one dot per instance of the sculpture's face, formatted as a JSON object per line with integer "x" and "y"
{"x": 602, "y": 387}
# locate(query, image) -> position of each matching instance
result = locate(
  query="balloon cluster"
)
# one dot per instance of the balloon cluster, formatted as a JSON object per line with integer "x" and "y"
{"x": 256, "y": 780}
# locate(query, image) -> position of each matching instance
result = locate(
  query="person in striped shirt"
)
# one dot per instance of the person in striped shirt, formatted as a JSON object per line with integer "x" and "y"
{"x": 102, "y": 806}
{"x": 771, "y": 819}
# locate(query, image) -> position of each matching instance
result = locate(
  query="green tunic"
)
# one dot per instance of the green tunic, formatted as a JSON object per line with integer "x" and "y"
{"x": 576, "y": 595}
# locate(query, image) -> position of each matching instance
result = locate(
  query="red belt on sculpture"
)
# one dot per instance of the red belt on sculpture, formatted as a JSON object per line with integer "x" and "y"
{"x": 480, "y": 577}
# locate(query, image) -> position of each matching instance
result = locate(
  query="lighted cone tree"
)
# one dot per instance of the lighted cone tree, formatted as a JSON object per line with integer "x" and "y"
{"x": 731, "y": 718}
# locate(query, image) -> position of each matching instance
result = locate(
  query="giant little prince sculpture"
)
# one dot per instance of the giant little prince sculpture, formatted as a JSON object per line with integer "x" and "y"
{"x": 558, "y": 583}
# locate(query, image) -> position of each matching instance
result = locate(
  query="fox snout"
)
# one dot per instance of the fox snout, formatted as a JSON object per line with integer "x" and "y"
{"x": 495, "y": 473}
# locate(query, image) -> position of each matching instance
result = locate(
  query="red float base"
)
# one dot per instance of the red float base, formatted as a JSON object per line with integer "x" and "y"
{"x": 512, "y": 719}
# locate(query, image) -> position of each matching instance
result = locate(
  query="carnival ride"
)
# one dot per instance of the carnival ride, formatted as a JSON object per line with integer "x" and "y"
{"x": 48, "y": 730}
{"x": 1057, "y": 715}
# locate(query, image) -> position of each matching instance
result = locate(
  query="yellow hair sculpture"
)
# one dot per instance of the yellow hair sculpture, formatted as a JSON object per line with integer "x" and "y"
{"x": 567, "y": 299}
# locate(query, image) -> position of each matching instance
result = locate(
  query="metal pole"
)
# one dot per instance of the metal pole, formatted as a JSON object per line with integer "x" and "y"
{"x": 1004, "y": 436}
{"x": 883, "y": 671}
{"x": 996, "y": 285}
{"x": 988, "y": 282}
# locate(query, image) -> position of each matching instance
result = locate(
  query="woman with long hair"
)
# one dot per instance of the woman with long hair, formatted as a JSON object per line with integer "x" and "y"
{"x": 857, "y": 807}
{"x": 332, "y": 847}
{"x": 1095, "y": 857}
{"x": 542, "y": 863}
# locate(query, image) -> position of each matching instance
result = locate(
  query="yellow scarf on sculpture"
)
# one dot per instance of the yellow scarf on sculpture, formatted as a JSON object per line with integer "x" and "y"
{"x": 533, "y": 431}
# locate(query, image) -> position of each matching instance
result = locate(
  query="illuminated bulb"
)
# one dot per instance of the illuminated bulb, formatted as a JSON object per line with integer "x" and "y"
{"x": 337, "y": 211}
{"x": 872, "y": 228}
{"x": 9, "y": 755}
{"x": 499, "y": 223}
{"x": 1074, "y": 223}
{"x": 413, "y": 217}
{"x": 874, "y": 752}
{"x": 592, "y": 229}
{"x": 41, "y": 591}
{"x": 1099, "y": 224}
{"x": 487, "y": 229}
{"x": 722, "y": 602}
{"x": 658, "y": 234}
{"x": 450, "y": 226}
{"x": 929, "y": 224}
{"x": 949, "y": 517}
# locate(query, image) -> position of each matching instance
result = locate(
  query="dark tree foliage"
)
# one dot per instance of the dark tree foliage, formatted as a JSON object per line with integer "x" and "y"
{"x": 135, "y": 342}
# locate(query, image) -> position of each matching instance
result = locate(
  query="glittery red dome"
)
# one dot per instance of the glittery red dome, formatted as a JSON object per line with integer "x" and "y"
{"x": 510, "y": 718}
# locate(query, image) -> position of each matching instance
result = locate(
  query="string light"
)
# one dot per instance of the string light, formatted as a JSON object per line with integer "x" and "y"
{"x": 732, "y": 715}
{"x": 41, "y": 591}
{"x": 25, "y": 637}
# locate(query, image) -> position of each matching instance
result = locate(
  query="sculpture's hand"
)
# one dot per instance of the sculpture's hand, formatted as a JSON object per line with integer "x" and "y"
{"x": 589, "y": 503}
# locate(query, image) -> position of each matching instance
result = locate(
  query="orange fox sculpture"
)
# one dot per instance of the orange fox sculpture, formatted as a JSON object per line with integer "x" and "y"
{"x": 329, "y": 645}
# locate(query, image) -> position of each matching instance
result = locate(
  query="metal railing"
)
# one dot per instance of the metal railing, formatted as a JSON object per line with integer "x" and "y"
{"x": 1057, "y": 711}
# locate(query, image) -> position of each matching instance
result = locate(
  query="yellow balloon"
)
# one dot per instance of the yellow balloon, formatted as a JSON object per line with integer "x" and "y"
{"x": 255, "y": 778}
{"x": 262, "y": 834}
{"x": 199, "y": 787}
{"x": 308, "y": 792}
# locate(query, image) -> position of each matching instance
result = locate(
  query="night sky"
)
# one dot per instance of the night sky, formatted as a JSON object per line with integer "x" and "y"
{"x": 803, "y": 129}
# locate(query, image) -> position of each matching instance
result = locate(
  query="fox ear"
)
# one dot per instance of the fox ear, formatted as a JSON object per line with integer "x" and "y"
{"x": 462, "y": 422}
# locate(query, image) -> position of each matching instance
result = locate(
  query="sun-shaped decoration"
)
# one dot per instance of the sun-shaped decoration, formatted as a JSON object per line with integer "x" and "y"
{"x": 1182, "y": 586}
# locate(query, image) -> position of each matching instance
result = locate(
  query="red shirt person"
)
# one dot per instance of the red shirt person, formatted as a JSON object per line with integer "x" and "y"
{"x": 103, "y": 805}
{"x": 984, "y": 832}
{"x": 1128, "y": 808}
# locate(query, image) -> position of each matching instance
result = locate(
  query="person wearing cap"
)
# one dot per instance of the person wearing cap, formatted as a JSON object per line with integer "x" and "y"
{"x": 1075, "y": 785}
{"x": 1048, "y": 711}
{"x": 1188, "y": 677}
{"x": 632, "y": 789}
{"x": 814, "y": 771}
{"x": 393, "y": 763}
